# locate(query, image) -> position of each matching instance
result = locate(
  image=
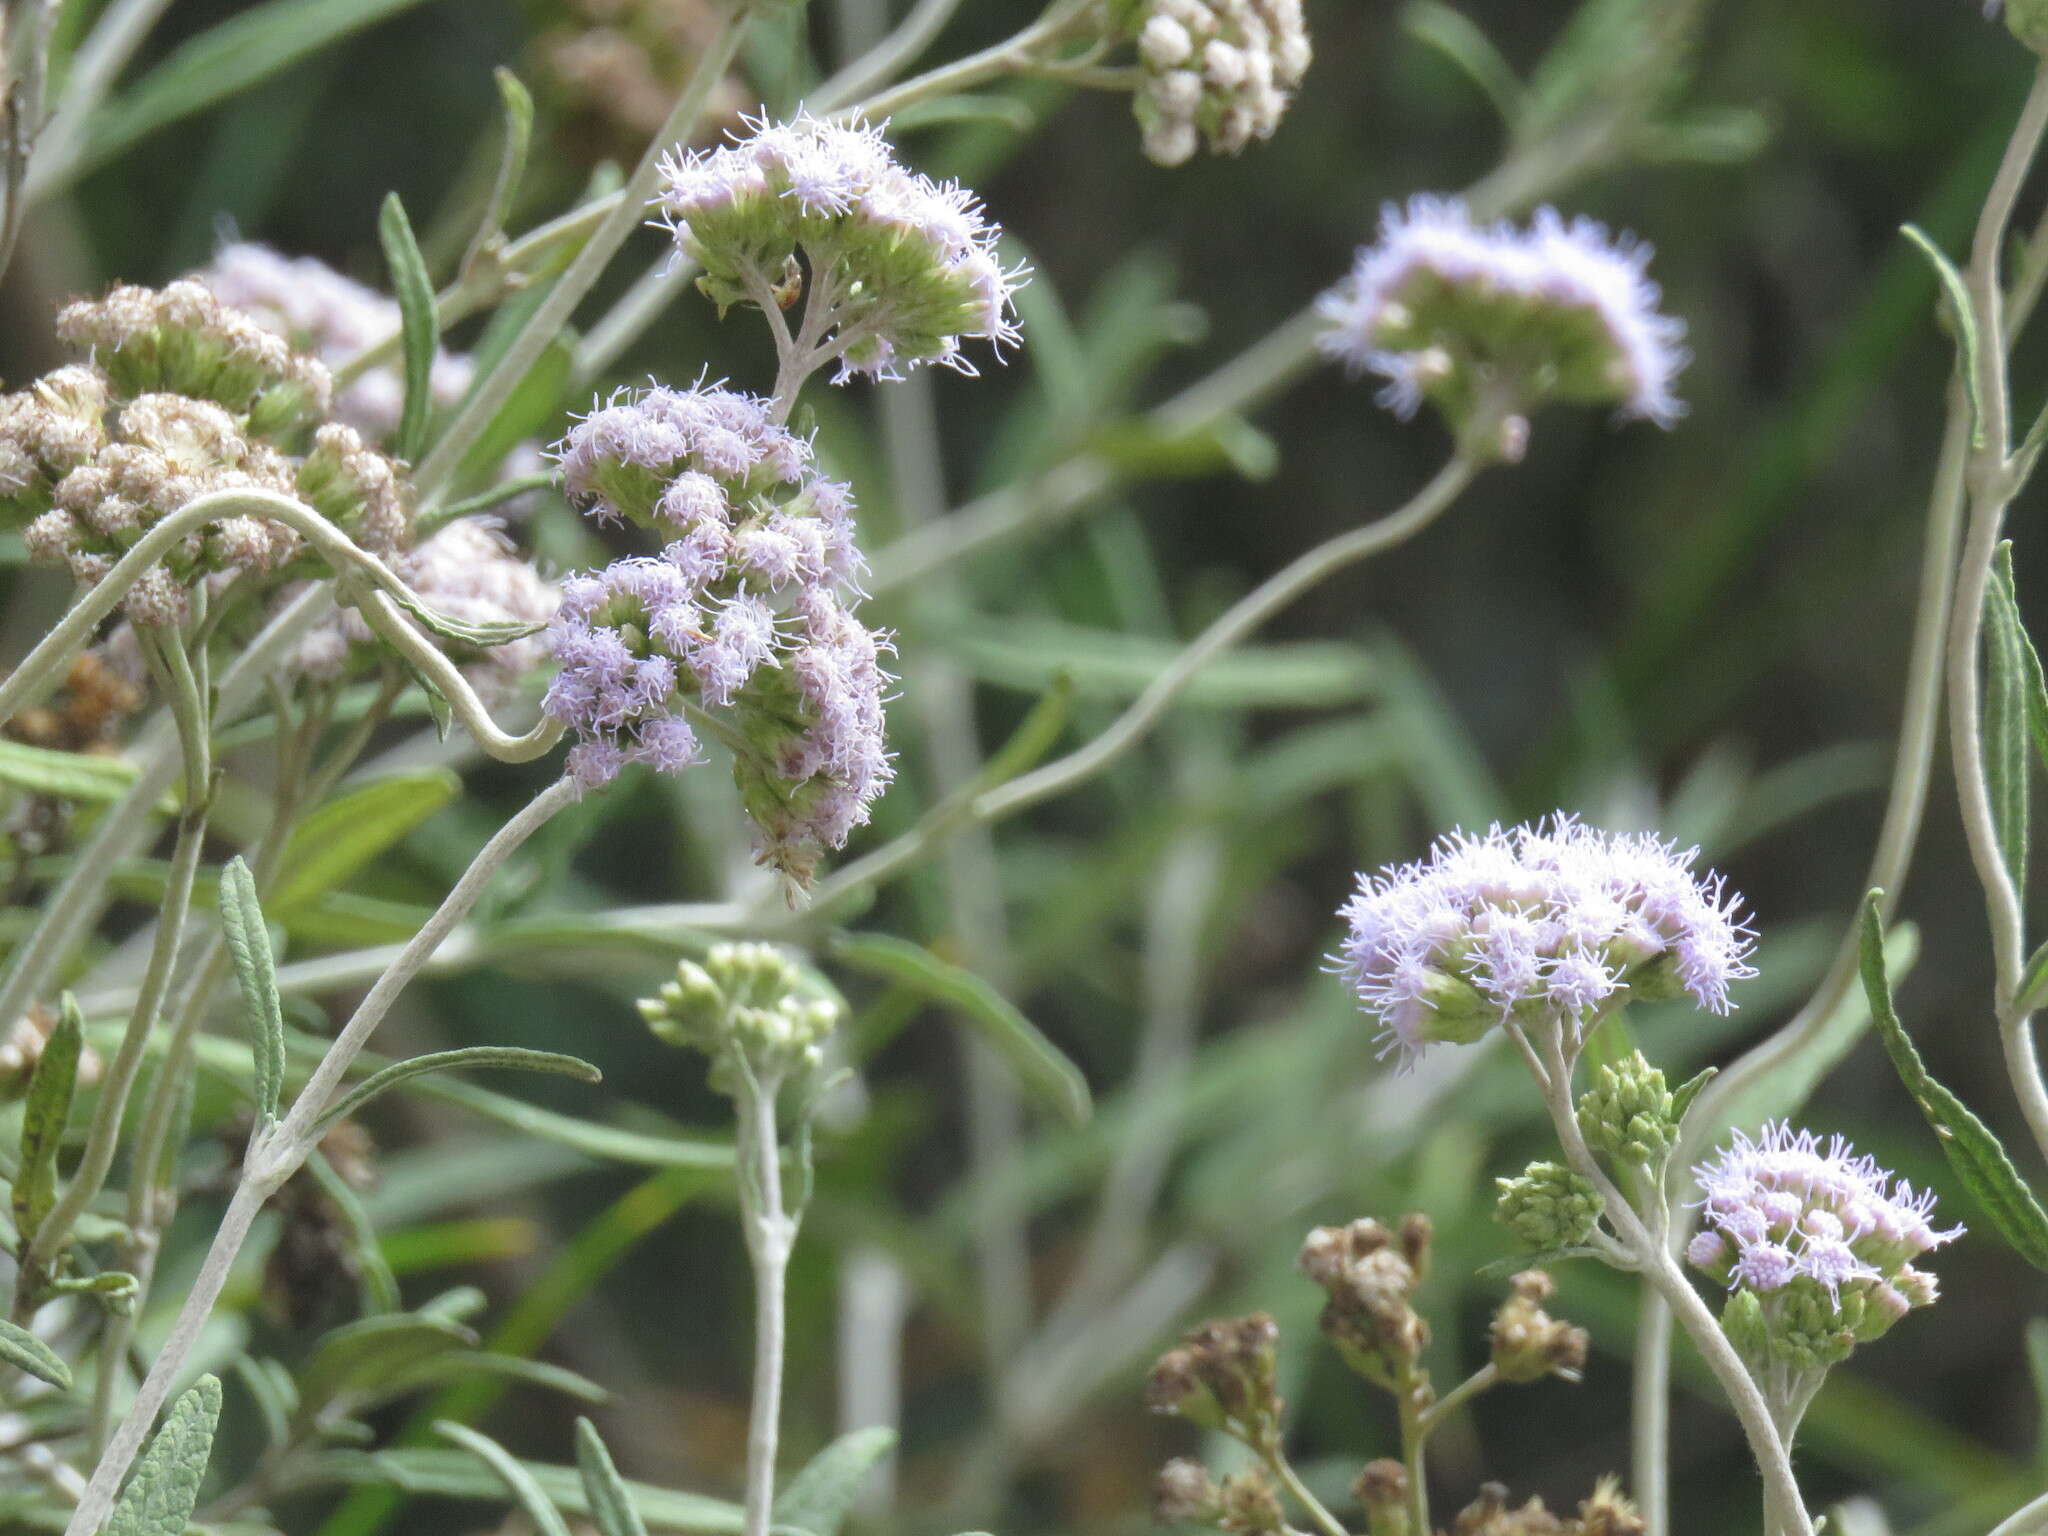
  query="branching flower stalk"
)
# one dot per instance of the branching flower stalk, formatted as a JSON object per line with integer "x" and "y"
{"x": 277, "y": 1151}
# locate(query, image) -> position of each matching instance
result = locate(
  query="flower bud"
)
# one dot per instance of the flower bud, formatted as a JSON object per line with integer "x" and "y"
{"x": 1222, "y": 1376}
{"x": 1251, "y": 1505}
{"x": 1369, "y": 1275}
{"x": 1528, "y": 1343}
{"x": 1382, "y": 1491}
{"x": 1627, "y": 1113}
{"x": 743, "y": 1005}
{"x": 1548, "y": 1206}
{"x": 1185, "y": 1494}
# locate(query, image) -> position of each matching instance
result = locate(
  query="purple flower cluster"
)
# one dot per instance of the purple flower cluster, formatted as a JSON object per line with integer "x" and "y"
{"x": 1547, "y": 921}
{"x": 1785, "y": 1207}
{"x": 1560, "y": 308}
{"x": 747, "y": 613}
{"x": 905, "y": 265}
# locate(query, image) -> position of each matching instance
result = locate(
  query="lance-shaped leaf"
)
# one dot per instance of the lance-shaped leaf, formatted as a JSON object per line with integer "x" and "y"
{"x": 527, "y": 1493}
{"x": 43, "y": 1118}
{"x": 356, "y": 1357}
{"x": 1040, "y": 1065}
{"x": 611, "y": 1503}
{"x": 241, "y": 917}
{"x": 419, "y": 325}
{"x": 1961, "y": 316}
{"x": 160, "y": 1496}
{"x": 346, "y": 833}
{"x": 65, "y": 775}
{"x": 1979, "y": 1161}
{"x": 23, "y": 1350}
{"x": 1683, "y": 1095}
{"x": 517, "y": 102}
{"x": 819, "y": 1498}
{"x": 2012, "y": 682}
{"x": 502, "y": 1057}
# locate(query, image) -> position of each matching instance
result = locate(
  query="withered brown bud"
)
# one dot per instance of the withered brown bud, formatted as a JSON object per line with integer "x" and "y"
{"x": 1251, "y": 1505}
{"x": 1185, "y": 1494}
{"x": 1382, "y": 1490}
{"x": 1222, "y": 1376}
{"x": 1489, "y": 1515}
{"x": 1528, "y": 1343}
{"x": 1416, "y": 1231}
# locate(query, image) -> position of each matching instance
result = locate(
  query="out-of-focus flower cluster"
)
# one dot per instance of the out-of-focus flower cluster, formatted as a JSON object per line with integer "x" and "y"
{"x": 748, "y": 613}
{"x": 332, "y": 318}
{"x": 905, "y": 266}
{"x": 1501, "y": 319}
{"x": 1544, "y": 923}
{"x": 622, "y": 63}
{"x": 1815, "y": 1243}
{"x": 181, "y": 396}
{"x": 1216, "y": 72}
{"x": 467, "y": 571}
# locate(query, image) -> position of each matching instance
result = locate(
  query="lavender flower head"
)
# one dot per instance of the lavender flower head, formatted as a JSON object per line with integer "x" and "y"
{"x": 1821, "y": 1239}
{"x": 748, "y": 614}
{"x": 1464, "y": 316}
{"x": 905, "y": 267}
{"x": 1553, "y": 922}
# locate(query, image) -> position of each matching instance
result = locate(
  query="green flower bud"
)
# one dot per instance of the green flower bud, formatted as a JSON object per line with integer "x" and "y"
{"x": 1742, "y": 1319}
{"x": 743, "y": 1004}
{"x": 1627, "y": 1113}
{"x": 1549, "y": 1206}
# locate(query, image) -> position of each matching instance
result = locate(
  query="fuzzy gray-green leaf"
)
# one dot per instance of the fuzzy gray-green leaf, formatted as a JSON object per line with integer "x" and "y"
{"x": 43, "y": 1119}
{"x": 419, "y": 326}
{"x": 1979, "y": 1161}
{"x": 527, "y": 1493}
{"x": 612, "y": 1508}
{"x": 241, "y": 916}
{"x": 502, "y": 1057}
{"x": 22, "y": 1349}
{"x": 1962, "y": 316}
{"x": 2012, "y": 683}
{"x": 160, "y": 1496}
{"x": 819, "y": 1498}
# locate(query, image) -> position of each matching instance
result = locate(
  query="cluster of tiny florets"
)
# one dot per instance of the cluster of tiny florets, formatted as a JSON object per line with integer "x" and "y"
{"x": 470, "y": 572}
{"x": 748, "y": 611}
{"x": 1452, "y": 312}
{"x": 333, "y": 318}
{"x": 905, "y": 265}
{"x": 1216, "y": 72}
{"x": 1787, "y": 1207}
{"x": 1552, "y": 921}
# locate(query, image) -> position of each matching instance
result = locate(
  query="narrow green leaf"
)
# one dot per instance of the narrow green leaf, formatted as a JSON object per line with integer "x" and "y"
{"x": 482, "y": 634}
{"x": 547, "y": 1520}
{"x": 2033, "y": 988}
{"x": 611, "y": 1505}
{"x": 2009, "y": 692}
{"x": 1979, "y": 1161}
{"x": 43, "y": 1118}
{"x": 819, "y": 1498}
{"x": 1515, "y": 1263}
{"x": 114, "y": 1289}
{"x": 356, "y": 1357}
{"x": 2033, "y": 680}
{"x": 499, "y": 1057}
{"x": 246, "y": 48}
{"x": 420, "y": 326}
{"x": 270, "y": 1389}
{"x": 380, "y": 1286}
{"x": 1961, "y": 316}
{"x": 1041, "y": 1066}
{"x": 342, "y": 836}
{"x": 65, "y": 775}
{"x": 241, "y": 916}
{"x": 1683, "y": 1095}
{"x": 1453, "y": 34}
{"x": 456, "y": 1475}
{"x": 23, "y": 1350}
{"x": 469, "y": 1364}
{"x": 517, "y": 102}
{"x": 160, "y": 1496}
{"x": 1035, "y": 736}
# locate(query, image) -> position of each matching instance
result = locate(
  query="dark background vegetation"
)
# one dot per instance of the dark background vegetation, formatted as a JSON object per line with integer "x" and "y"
{"x": 1702, "y": 629}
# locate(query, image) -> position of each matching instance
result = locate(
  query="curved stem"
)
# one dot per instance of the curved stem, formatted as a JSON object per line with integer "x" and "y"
{"x": 272, "y": 1158}
{"x": 997, "y": 59}
{"x": 2028, "y": 1520}
{"x": 1283, "y": 1469}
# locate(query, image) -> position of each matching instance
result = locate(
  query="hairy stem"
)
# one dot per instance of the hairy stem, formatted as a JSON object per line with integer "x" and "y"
{"x": 272, "y": 1158}
{"x": 770, "y": 1234}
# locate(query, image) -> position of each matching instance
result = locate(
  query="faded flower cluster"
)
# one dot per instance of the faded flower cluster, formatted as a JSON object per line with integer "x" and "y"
{"x": 748, "y": 614}
{"x": 1216, "y": 72}
{"x": 333, "y": 318}
{"x": 1550, "y": 922}
{"x": 1498, "y": 320}
{"x": 1816, "y": 1243}
{"x": 901, "y": 269}
{"x": 182, "y": 396}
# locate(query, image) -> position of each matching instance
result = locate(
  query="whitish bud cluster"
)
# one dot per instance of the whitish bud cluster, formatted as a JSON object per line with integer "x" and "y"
{"x": 1550, "y": 923}
{"x": 746, "y": 1007}
{"x": 901, "y": 268}
{"x": 1548, "y": 1206}
{"x": 1501, "y": 319}
{"x": 1607, "y": 1513}
{"x": 1370, "y": 1274}
{"x": 1528, "y": 1343}
{"x": 1245, "y": 1503}
{"x": 749, "y": 612}
{"x": 1223, "y": 1376}
{"x": 1216, "y": 72}
{"x": 1816, "y": 1245}
{"x": 1629, "y": 1114}
{"x": 332, "y": 318}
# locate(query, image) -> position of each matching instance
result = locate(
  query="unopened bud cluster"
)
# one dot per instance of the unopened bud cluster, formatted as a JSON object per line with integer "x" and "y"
{"x": 744, "y": 1006}
{"x": 1244, "y": 1503}
{"x": 1548, "y": 1206}
{"x": 1222, "y": 1376}
{"x": 1815, "y": 1245}
{"x": 1629, "y": 1114}
{"x": 181, "y": 397}
{"x": 1216, "y": 72}
{"x": 1607, "y": 1513}
{"x": 1528, "y": 1343}
{"x": 1370, "y": 1275}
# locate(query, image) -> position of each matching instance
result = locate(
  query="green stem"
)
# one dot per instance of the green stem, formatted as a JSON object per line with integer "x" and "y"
{"x": 1283, "y": 1469}
{"x": 770, "y": 1234}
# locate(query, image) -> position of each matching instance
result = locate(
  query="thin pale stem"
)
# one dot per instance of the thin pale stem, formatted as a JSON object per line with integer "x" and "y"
{"x": 272, "y": 1158}
{"x": 94, "y": 67}
{"x": 1414, "y": 1451}
{"x": 1283, "y": 1469}
{"x": 999, "y": 59}
{"x": 770, "y": 1233}
{"x": 1481, "y": 1380}
{"x": 552, "y": 315}
{"x": 2028, "y": 1520}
